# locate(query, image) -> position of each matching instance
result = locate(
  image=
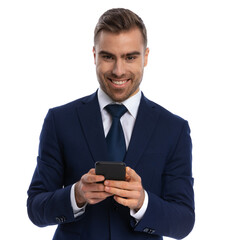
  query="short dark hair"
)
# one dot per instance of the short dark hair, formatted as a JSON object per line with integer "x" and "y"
{"x": 120, "y": 19}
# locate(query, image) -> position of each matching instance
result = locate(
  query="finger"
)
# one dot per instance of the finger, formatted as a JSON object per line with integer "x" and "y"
{"x": 127, "y": 178}
{"x": 132, "y": 174}
{"x": 122, "y": 201}
{"x": 93, "y": 187}
{"x": 92, "y": 171}
{"x": 91, "y": 178}
{"x": 133, "y": 186}
{"x": 131, "y": 203}
{"x": 94, "y": 201}
{"x": 123, "y": 193}
{"x": 96, "y": 198}
{"x": 96, "y": 195}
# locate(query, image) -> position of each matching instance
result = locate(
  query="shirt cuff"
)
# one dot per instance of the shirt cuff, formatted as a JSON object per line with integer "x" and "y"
{"x": 76, "y": 210}
{"x": 139, "y": 214}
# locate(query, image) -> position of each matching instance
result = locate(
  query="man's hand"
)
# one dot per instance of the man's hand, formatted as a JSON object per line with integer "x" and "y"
{"x": 129, "y": 193}
{"x": 87, "y": 190}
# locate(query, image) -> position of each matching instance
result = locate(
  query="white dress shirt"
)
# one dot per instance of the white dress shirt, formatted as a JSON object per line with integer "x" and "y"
{"x": 127, "y": 121}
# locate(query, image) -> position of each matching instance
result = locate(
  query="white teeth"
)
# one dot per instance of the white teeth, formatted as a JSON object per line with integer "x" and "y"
{"x": 119, "y": 82}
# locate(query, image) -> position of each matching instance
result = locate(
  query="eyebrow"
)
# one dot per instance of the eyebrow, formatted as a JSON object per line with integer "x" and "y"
{"x": 105, "y": 53}
{"x": 127, "y": 54}
{"x": 133, "y": 53}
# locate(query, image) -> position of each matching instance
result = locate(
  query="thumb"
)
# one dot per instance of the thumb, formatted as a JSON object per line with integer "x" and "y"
{"x": 132, "y": 175}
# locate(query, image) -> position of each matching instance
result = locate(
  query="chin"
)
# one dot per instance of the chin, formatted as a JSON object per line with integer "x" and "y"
{"x": 121, "y": 98}
{"x": 118, "y": 98}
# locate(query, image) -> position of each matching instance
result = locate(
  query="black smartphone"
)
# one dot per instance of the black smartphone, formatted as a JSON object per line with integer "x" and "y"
{"x": 111, "y": 170}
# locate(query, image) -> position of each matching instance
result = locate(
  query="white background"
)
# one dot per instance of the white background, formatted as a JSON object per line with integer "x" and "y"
{"x": 194, "y": 69}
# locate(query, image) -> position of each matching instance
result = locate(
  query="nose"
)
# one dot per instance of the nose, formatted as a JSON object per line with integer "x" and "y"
{"x": 119, "y": 68}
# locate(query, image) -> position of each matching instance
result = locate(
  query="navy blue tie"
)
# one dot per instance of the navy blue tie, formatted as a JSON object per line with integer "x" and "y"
{"x": 115, "y": 137}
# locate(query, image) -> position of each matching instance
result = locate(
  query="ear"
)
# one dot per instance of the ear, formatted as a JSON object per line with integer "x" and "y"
{"x": 146, "y": 57}
{"x": 94, "y": 54}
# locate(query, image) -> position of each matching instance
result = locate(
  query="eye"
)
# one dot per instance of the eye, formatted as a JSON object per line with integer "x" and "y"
{"x": 107, "y": 57}
{"x": 130, "y": 58}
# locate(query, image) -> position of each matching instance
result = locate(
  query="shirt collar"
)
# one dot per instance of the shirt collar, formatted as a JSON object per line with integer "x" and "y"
{"x": 131, "y": 103}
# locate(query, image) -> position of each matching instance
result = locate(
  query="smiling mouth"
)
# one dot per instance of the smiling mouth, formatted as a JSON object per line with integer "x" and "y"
{"x": 118, "y": 82}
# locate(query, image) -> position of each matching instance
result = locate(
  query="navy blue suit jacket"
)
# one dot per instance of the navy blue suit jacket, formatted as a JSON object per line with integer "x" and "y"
{"x": 72, "y": 140}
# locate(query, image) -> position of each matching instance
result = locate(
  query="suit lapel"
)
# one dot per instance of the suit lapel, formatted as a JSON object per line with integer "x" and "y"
{"x": 91, "y": 122}
{"x": 144, "y": 126}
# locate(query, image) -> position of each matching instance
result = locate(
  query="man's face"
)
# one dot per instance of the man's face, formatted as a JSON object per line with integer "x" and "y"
{"x": 120, "y": 59}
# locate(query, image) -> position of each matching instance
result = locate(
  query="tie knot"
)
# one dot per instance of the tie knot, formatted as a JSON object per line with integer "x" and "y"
{"x": 116, "y": 110}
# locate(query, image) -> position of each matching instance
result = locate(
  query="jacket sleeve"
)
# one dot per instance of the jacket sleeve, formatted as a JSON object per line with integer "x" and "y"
{"x": 48, "y": 199}
{"x": 172, "y": 213}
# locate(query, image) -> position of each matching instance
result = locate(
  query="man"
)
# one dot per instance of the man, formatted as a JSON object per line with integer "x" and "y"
{"x": 156, "y": 198}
